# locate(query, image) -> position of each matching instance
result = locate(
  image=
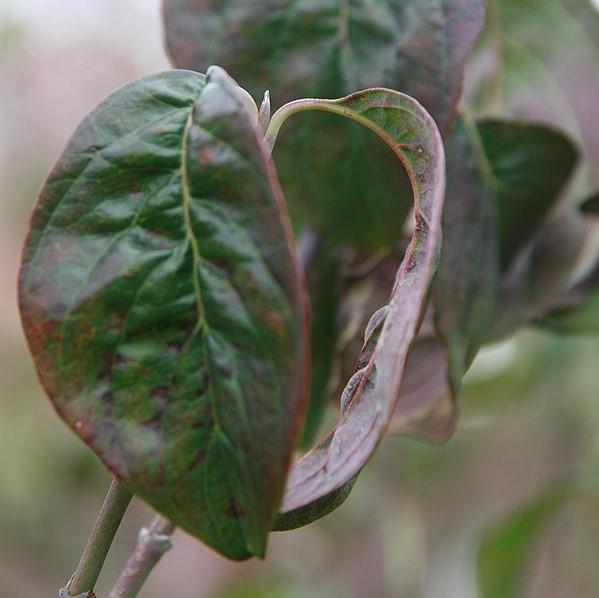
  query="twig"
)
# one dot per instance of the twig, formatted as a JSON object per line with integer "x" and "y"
{"x": 152, "y": 543}
{"x": 111, "y": 513}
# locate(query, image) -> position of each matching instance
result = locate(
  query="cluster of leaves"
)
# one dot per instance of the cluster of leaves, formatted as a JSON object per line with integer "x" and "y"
{"x": 162, "y": 293}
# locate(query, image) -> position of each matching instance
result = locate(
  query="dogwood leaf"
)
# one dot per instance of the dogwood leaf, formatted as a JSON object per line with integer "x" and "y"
{"x": 164, "y": 306}
{"x": 319, "y": 480}
{"x": 349, "y": 187}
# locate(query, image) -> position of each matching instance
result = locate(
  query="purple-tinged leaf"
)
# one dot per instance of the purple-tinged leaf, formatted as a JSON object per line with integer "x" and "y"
{"x": 463, "y": 295}
{"x": 320, "y": 478}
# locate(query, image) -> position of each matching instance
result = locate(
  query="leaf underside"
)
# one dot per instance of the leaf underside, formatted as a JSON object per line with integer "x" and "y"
{"x": 463, "y": 296}
{"x": 164, "y": 306}
{"x": 321, "y": 477}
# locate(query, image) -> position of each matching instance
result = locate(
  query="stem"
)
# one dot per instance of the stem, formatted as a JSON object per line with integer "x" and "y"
{"x": 109, "y": 518}
{"x": 152, "y": 543}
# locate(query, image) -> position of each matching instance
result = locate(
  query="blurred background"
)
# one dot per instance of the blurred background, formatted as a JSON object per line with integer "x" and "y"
{"x": 412, "y": 525}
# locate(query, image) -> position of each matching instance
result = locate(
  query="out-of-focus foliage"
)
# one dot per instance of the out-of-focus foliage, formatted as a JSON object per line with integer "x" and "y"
{"x": 349, "y": 183}
{"x": 507, "y": 549}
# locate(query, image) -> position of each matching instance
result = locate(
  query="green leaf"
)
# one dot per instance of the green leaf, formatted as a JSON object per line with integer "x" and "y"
{"x": 350, "y": 183}
{"x": 539, "y": 61}
{"x": 506, "y": 549}
{"x": 529, "y": 166}
{"x": 300, "y": 47}
{"x": 466, "y": 282}
{"x": 522, "y": 72}
{"x": 164, "y": 306}
{"x": 319, "y": 478}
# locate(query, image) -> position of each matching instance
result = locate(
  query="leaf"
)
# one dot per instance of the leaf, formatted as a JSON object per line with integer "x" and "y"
{"x": 529, "y": 166}
{"x": 463, "y": 296}
{"x": 319, "y": 479}
{"x": 427, "y": 405}
{"x": 350, "y": 184}
{"x": 522, "y": 72}
{"x": 164, "y": 306}
{"x": 331, "y": 47}
{"x": 526, "y": 73}
{"x": 505, "y": 550}
{"x": 466, "y": 282}
{"x": 503, "y": 179}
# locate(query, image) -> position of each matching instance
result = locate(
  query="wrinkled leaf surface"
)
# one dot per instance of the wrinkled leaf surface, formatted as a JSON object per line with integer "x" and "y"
{"x": 163, "y": 304}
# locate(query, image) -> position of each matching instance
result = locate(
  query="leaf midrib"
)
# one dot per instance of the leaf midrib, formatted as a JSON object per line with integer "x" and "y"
{"x": 185, "y": 191}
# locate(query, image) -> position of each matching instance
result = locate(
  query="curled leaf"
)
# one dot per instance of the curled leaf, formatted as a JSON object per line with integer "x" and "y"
{"x": 319, "y": 478}
{"x": 463, "y": 295}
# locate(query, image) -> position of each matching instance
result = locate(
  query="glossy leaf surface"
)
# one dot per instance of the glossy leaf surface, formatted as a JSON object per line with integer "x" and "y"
{"x": 349, "y": 186}
{"x": 321, "y": 477}
{"x": 164, "y": 306}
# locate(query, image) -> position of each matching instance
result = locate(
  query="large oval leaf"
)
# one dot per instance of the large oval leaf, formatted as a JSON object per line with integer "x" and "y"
{"x": 350, "y": 187}
{"x": 321, "y": 479}
{"x": 164, "y": 306}
{"x": 300, "y": 47}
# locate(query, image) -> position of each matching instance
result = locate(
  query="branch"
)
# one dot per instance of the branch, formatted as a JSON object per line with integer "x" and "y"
{"x": 109, "y": 518}
{"x": 152, "y": 543}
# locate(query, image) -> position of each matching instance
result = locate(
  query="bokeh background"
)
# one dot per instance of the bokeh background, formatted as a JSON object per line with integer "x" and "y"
{"x": 411, "y": 528}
